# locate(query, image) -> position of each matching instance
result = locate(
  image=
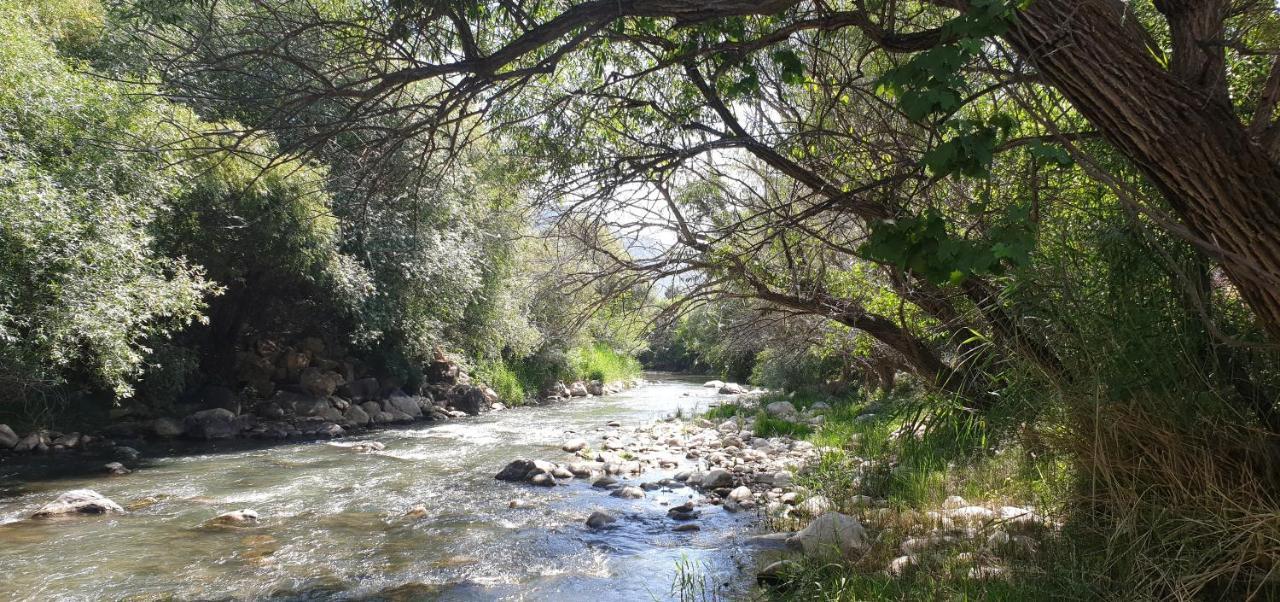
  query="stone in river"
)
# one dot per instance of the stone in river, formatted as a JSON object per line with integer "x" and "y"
{"x": 78, "y": 501}
{"x": 574, "y": 445}
{"x": 629, "y": 492}
{"x": 543, "y": 480}
{"x": 235, "y": 518}
{"x": 517, "y": 470}
{"x": 686, "y": 527}
{"x": 600, "y": 520}
{"x": 605, "y": 483}
{"x": 116, "y": 468}
{"x": 717, "y": 479}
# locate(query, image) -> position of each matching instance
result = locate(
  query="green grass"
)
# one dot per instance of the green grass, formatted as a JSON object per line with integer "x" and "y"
{"x": 771, "y": 426}
{"x": 600, "y": 362}
{"x": 505, "y": 381}
{"x": 723, "y": 411}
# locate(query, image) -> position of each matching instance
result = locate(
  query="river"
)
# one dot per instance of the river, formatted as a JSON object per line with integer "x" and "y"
{"x": 334, "y": 526}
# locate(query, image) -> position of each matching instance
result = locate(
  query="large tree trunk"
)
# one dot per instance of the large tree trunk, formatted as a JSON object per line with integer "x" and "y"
{"x": 1176, "y": 127}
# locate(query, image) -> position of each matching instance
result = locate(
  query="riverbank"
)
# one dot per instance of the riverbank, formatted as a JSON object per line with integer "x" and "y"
{"x": 909, "y": 508}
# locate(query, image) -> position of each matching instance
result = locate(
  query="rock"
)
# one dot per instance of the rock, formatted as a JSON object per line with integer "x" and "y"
{"x": 728, "y": 426}
{"x": 217, "y": 423}
{"x": 235, "y": 518}
{"x": 971, "y": 514}
{"x": 79, "y": 501}
{"x": 686, "y": 527}
{"x": 740, "y": 494}
{"x": 684, "y": 511}
{"x": 574, "y": 445}
{"x": 543, "y": 479}
{"x": 820, "y": 406}
{"x": 582, "y": 469}
{"x": 629, "y": 493}
{"x": 405, "y": 404}
{"x": 605, "y": 483}
{"x": 713, "y": 384}
{"x": 356, "y": 416}
{"x": 8, "y": 438}
{"x": 516, "y": 470}
{"x": 418, "y": 511}
{"x": 717, "y": 479}
{"x": 595, "y": 387}
{"x": 832, "y": 535}
{"x": 270, "y": 410}
{"x": 126, "y": 453}
{"x": 776, "y": 573}
{"x": 732, "y": 389}
{"x": 578, "y": 389}
{"x": 1018, "y": 517}
{"x": 469, "y": 399}
{"x": 600, "y": 520}
{"x": 781, "y": 409}
{"x": 116, "y": 468}
{"x": 954, "y": 501}
{"x": 814, "y": 506}
{"x": 167, "y": 428}
{"x": 768, "y": 541}
{"x": 442, "y": 371}
{"x": 33, "y": 442}
{"x": 520, "y": 504}
{"x": 899, "y": 565}
{"x": 560, "y": 472}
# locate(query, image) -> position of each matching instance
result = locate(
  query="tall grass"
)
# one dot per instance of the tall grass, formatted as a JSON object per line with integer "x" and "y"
{"x": 601, "y": 362}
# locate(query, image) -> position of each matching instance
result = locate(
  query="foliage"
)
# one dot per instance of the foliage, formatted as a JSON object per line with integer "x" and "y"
{"x": 83, "y": 291}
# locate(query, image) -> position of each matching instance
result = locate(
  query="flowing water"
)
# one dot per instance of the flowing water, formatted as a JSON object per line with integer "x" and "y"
{"x": 334, "y": 526}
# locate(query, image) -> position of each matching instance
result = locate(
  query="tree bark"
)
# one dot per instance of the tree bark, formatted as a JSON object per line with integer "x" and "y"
{"x": 1174, "y": 126}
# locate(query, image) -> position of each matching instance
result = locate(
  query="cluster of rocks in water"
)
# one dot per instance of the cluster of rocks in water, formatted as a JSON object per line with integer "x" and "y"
{"x": 306, "y": 391}
{"x": 734, "y": 470}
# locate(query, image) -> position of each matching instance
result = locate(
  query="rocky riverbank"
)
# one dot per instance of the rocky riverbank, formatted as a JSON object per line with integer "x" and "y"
{"x": 291, "y": 393}
{"x": 724, "y": 467}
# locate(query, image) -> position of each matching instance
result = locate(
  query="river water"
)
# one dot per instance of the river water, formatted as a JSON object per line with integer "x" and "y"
{"x": 334, "y": 526}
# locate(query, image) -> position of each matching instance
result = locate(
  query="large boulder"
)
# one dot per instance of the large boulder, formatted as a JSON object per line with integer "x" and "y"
{"x": 600, "y": 519}
{"x": 405, "y": 404}
{"x": 216, "y": 423}
{"x": 442, "y": 372}
{"x": 356, "y": 416}
{"x": 318, "y": 382}
{"x": 79, "y": 501}
{"x": 596, "y": 388}
{"x": 783, "y": 409}
{"x": 713, "y": 384}
{"x": 832, "y": 536}
{"x": 34, "y": 442}
{"x": 516, "y": 470}
{"x": 167, "y": 428}
{"x": 578, "y": 389}
{"x": 8, "y": 438}
{"x": 291, "y": 364}
{"x": 717, "y": 479}
{"x": 467, "y": 398}
{"x": 732, "y": 389}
